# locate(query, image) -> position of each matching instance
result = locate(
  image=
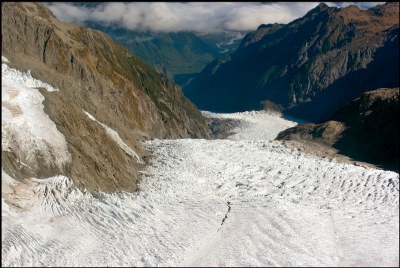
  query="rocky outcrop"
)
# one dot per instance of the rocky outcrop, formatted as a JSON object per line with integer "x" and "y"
{"x": 366, "y": 129}
{"x": 96, "y": 75}
{"x": 311, "y": 66}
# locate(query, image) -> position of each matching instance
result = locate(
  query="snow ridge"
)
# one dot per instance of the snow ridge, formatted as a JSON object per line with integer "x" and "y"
{"x": 11, "y": 76}
{"x": 25, "y": 126}
{"x": 115, "y": 136}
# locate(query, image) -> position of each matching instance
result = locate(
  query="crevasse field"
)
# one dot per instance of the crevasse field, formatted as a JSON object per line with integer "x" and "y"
{"x": 243, "y": 201}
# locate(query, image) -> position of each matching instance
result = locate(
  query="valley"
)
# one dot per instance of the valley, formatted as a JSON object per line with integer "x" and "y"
{"x": 278, "y": 147}
{"x": 247, "y": 200}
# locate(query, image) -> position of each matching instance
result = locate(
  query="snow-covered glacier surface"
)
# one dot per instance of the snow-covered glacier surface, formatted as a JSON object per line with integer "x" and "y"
{"x": 241, "y": 201}
{"x": 25, "y": 127}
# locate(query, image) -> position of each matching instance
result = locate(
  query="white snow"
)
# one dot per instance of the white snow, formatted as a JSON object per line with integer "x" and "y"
{"x": 115, "y": 136}
{"x": 256, "y": 125}
{"x": 25, "y": 126}
{"x": 4, "y": 59}
{"x": 278, "y": 206}
{"x": 11, "y": 76}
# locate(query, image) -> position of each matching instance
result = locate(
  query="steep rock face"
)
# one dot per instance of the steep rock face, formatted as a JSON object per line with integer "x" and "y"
{"x": 103, "y": 71}
{"x": 301, "y": 65}
{"x": 96, "y": 75}
{"x": 365, "y": 129}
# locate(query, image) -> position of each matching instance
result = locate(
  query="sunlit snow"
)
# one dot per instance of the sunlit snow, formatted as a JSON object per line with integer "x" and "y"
{"x": 114, "y": 135}
{"x": 242, "y": 201}
{"x": 255, "y": 125}
{"x": 24, "y": 125}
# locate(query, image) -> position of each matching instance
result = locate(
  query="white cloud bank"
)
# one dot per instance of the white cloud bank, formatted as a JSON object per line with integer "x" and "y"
{"x": 195, "y": 16}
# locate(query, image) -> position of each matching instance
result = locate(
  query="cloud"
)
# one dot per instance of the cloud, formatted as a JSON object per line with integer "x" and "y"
{"x": 186, "y": 16}
{"x": 361, "y": 5}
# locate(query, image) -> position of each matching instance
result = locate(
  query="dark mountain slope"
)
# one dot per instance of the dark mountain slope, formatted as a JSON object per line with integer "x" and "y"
{"x": 366, "y": 129}
{"x": 301, "y": 65}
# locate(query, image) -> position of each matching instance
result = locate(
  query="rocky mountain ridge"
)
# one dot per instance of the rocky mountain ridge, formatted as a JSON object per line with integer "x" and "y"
{"x": 340, "y": 52}
{"x": 366, "y": 129}
{"x": 98, "y": 76}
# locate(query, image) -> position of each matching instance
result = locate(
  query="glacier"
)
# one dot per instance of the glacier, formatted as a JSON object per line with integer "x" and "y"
{"x": 247, "y": 200}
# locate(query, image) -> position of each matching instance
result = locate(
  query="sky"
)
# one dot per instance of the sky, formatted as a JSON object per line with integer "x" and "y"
{"x": 202, "y": 17}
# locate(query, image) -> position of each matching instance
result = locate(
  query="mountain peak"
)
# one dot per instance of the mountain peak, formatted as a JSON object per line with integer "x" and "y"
{"x": 387, "y": 9}
{"x": 322, "y": 60}
{"x": 322, "y": 5}
{"x": 320, "y": 8}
